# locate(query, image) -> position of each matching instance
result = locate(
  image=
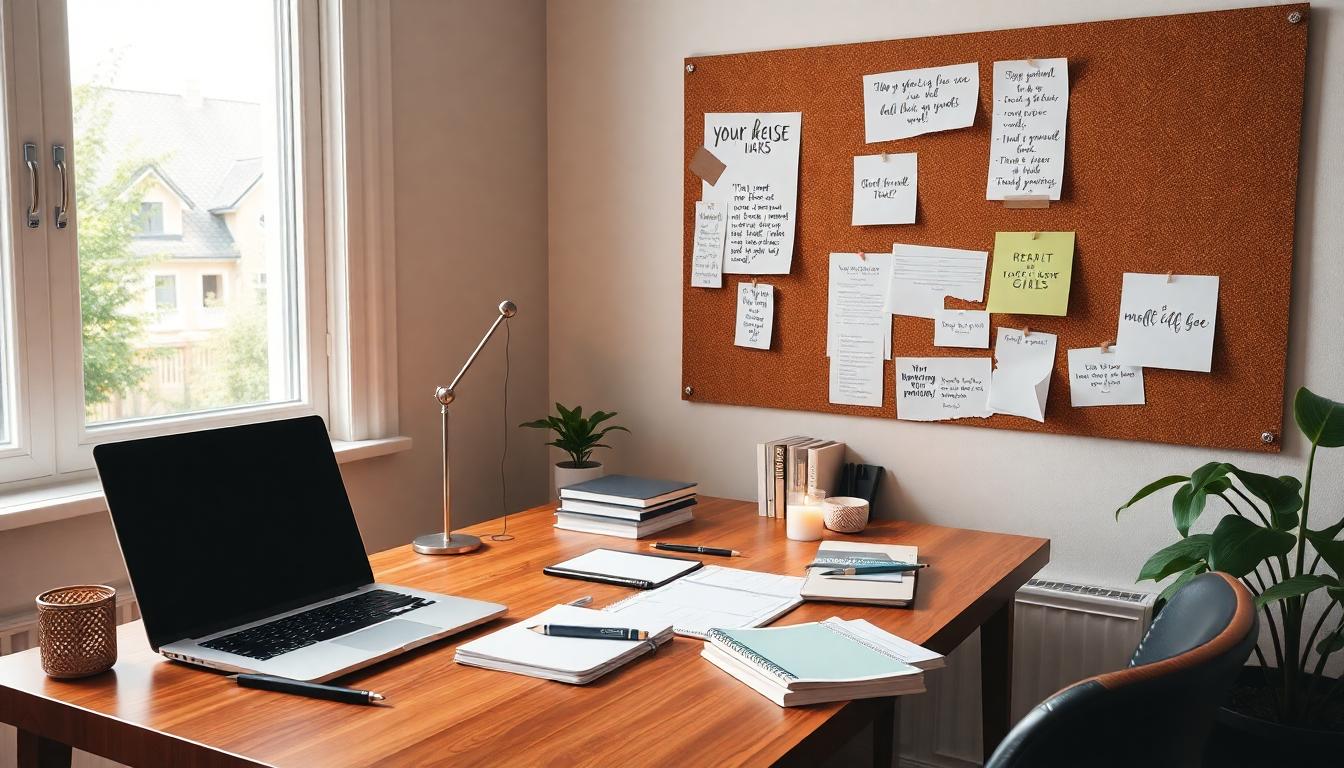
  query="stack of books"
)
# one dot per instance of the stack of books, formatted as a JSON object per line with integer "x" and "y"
{"x": 831, "y": 660}
{"x": 625, "y": 506}
{"x": 797, "y": 462}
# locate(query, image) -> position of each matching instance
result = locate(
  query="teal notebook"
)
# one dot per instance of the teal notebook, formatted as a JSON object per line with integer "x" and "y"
{"x": 815, "y": 652}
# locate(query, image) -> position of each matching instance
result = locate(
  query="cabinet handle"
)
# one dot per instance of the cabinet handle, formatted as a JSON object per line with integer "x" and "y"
{"x": 58, "y": 156}
{"x": 34, "y": 209}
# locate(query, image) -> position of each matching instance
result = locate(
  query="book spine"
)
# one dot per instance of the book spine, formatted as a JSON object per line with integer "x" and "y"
{"x": 762, "y": 478}
{"x": 750, "y": 656}
{"x": 812, "y": 457}
{"x": 781, "y": 490}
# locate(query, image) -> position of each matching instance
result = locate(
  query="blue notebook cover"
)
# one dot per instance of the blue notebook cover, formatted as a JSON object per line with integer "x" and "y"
{"x": 808, "y": 652}
{"x": 636, "y": 489}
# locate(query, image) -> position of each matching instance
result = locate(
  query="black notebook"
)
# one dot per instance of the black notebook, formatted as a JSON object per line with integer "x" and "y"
{"x": 626, "y": 569}
{"x": 627, "y": 490}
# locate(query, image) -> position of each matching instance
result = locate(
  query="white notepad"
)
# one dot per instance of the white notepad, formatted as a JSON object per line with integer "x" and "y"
{"x": 565, "y": 659}
{"x": 714, "y": 596}
{"x": 629, "y": 568}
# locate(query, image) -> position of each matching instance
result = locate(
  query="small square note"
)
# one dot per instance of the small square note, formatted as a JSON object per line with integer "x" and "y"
{"x": 885, "y": 189}
{"x": 755, "y": 315}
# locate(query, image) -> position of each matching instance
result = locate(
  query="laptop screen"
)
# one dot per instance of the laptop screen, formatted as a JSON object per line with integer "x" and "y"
{"x": 226, "y": 526}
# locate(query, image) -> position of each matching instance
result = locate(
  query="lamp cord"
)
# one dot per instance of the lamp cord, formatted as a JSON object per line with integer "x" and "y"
{"x": 504, "y": 454}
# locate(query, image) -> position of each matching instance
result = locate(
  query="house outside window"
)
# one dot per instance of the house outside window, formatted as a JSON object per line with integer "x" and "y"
{"x": 165, "y": 292}
{"x": 212, "y": 290}
{"x": 150, "y": 218}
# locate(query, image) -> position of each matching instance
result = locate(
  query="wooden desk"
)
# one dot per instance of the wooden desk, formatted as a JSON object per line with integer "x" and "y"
{"x": 670, "y": 709}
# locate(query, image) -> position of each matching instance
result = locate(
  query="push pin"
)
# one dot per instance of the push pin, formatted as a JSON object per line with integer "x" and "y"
{"x": 1035, "y": 235}
{"x": 1106, "y": 346}
{"x": 1026, "y": 331}
{"x": 753, "y": 281}
{"x": 1168, "y": 277}
{"x": 863, "y": 256}
{"x": 885, "y": 157}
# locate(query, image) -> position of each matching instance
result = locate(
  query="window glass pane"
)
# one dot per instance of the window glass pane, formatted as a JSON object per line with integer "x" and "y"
{"x": 182, "y": 149}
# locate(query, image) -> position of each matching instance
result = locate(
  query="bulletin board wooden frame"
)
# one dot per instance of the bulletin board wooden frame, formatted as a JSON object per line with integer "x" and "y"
{"x": 1182, "y": 156}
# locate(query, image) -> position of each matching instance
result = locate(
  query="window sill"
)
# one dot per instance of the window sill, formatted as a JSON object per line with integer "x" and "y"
{"x": 75, "y": 498}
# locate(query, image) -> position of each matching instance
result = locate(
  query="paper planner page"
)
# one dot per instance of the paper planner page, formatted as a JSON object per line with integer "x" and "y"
{"x": 714, "y": 596}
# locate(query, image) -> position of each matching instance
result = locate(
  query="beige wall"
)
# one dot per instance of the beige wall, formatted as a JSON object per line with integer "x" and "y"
{"x": 615, "y": 153}
{"x": 471, "y": 217}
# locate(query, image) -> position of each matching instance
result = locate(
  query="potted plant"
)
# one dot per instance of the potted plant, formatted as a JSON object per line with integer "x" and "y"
{"x": 1284, "y": 710}
{"x": 577, "y": 436}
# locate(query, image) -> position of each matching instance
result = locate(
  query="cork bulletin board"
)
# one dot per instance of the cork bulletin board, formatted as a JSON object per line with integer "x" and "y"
{"x": 1182, "y": 156}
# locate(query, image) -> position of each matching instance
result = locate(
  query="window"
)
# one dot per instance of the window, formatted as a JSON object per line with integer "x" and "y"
{"x": 165, "y": 292}
{"x": 212, "y": 290}
{"x": 150, "y": 219}
{"x": 169, "y": 170}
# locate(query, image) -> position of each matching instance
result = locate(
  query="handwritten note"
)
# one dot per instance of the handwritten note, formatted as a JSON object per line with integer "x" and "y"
{"x": 1022, "y": 369}
{"x": 1096, "y": 378}
{"x": 1167, "y": 324}
{"x": 922, "y": 275}
{"x": 857, "y": 296}
{"x": 885, "y": 189}
{"x": 707, "y": 258}
{"x": 1026, "y": 142}
{"x": 755, "y": 315}
{"x": 898, "y": 105}
{"x": 1031, "y": 273}
{"x": 856, "y": 368}
{"x": 961, "y": 328}
{"x": 940, "y": 388}
{"x": 759, "y": 188}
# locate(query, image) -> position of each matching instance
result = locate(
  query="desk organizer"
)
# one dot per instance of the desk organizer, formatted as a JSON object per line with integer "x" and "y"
{"x": 77, "y": 630}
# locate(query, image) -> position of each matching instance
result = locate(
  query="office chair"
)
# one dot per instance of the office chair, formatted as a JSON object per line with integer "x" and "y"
{"x": 1160, "y": 709}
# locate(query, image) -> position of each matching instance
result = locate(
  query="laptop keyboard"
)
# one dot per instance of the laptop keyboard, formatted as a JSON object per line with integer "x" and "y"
{"x": 266, "y": 641}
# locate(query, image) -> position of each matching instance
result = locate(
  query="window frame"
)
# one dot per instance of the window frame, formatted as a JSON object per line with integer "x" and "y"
{"x": 51, "y": 440}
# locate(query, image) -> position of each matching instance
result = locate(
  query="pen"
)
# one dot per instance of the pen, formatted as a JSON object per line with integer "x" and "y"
{"x": 590, "y": 633}
{"x": 858, "y": 570}
{"x": 313, "y": 690}
{"x": 695, "y": 550}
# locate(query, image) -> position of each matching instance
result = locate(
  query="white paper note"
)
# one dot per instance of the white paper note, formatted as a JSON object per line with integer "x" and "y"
{"x": 857, "y": 297}
{"x": 758, "y": 189}
{"x": 707, "y": 258}
{"x": 961, "y": 328}
{"x": 898, "y": 105}
{"x": 755, "y": 315}
{"x": 1098, "y": 378}
{"x": 856, "y": 368}
{"x": 922, "y": 275}
{"x": 940, "y": 388}
{"x": 885, "y": 189}
{"x": 1026, "y": 142}
{"x": 1167, "y": 324}
{"x": 1022, "y": 369}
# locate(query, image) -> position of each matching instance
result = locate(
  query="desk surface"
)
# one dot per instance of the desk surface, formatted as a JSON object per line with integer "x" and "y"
{"x": 671, "y": 708}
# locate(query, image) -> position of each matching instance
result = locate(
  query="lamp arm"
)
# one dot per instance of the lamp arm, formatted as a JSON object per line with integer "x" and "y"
{"x": 446, "y": 395}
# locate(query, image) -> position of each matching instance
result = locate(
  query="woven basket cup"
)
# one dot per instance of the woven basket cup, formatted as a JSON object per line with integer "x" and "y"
{"x": 845, "y": 514}
{"x": 77, "y": 630}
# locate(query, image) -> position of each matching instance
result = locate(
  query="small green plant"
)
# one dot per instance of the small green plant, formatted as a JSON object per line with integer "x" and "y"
{"x": 1264, "y": 541}
{"x": 575, "y": 434}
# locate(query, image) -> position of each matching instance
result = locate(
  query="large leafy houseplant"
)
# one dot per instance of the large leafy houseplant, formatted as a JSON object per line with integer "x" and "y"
{"x": 576, "y": 434}
{"x": 1266, "y": 540}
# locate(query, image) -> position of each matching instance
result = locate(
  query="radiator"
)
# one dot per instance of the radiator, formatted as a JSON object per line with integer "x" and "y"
{"x": 1062, "y": 633}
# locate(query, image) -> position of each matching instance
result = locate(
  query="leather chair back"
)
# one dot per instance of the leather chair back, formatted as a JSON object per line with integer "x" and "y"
{"x": 1160, "y": 709}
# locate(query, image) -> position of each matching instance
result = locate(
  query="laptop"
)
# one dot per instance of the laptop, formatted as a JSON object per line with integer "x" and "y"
{"x": 244, "y": 555}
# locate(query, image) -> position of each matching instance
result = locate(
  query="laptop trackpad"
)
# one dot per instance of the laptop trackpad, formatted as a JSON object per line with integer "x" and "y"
{"x": 389, "y": 634}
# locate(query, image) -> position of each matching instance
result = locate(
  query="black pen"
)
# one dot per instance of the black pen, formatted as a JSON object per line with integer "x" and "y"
{"x": 693, "y": 549}
{"x": 312, "y": 690}
{"x": 590, "y": 633}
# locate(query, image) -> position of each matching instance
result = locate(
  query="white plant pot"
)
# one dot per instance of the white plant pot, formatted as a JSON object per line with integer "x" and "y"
{"x": 566, "y": 473}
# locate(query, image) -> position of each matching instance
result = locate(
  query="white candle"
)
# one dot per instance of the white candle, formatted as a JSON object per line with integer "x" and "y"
{"x": 804, "y": 522}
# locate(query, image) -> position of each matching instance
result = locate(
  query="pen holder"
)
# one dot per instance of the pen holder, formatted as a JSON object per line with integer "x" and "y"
{"x": 845, "y": 514}
{"x": 77, "y": 630}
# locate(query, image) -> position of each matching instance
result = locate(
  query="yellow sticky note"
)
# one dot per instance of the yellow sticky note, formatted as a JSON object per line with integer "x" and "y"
{"x": 1031, "y": 273}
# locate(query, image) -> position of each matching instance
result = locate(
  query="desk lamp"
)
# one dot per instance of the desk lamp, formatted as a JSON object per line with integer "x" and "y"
{"x": 449, "y": 543}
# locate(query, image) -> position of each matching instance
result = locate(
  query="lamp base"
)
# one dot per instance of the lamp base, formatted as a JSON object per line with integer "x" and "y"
{"x": 445, "y": 544}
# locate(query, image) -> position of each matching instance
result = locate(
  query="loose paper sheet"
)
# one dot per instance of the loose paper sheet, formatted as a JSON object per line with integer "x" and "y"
{"x": 759, "y": 189}
{"x": 922, "y": 275}
{"x": 1022, "y": 371}
{"x": 898, "y": 105}
{"x": 961, "y": 328}
{"x": 755, "y": 315}
{"x": 856, "y": 368}
{"x": 1031, "y": 273}
{"x": 1026, "y": 143}
{"x": 940, "y": 388}
{"x": 1097, "y": 378}
{"x": 857, "y": 296}
{"x": 1167, "y": 324}
{"x": 707, "y": 258}
{"x": 885, "y": 189}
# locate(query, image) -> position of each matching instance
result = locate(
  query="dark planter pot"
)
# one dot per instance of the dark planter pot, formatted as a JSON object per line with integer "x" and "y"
{"x": 1240, "y": 739}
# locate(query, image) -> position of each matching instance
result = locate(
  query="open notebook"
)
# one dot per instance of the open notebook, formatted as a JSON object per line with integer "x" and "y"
{"x": 565, "y": 659}
{"x": 714, "y": 596}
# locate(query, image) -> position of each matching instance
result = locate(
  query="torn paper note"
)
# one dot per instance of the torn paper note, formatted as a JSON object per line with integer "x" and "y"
{"x": 941, "y": 388}
{"x": 1098, "y": 378}
{"x": 967, "y": 328}
{"x": 1022, "y": 367}
{"x": 922, "y": 275}
{"x": 898, "y": 105}
{"x": 707, "y": 256}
